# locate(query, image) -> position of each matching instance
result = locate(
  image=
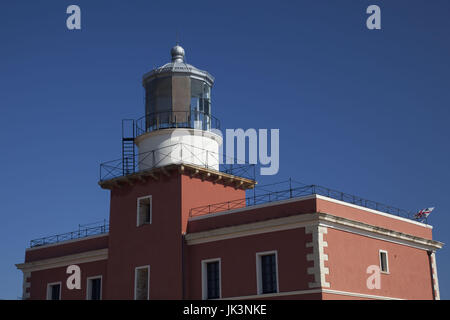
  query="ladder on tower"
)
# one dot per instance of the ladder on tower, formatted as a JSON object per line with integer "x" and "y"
{"x": 128, "y": 147}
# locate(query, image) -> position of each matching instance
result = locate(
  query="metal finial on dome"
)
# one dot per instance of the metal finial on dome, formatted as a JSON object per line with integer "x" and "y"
{"x": 177, "y": 53}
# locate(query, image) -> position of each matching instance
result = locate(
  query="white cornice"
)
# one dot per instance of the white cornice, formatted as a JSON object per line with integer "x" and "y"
{"x": 249, "y": 229}
{"x": 381, "y": 213}
{"x": 371, "y": 231}
{"x": 302, "y": 220}
{"x": 312, "y": 291}
{"x": 313, "y": 196}
{"x": 89, "y": 256}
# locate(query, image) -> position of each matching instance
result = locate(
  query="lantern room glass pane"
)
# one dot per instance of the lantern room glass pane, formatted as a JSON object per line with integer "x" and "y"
{"x": 201, "y": 104}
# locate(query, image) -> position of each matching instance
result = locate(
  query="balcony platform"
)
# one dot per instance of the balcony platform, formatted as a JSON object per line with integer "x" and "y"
{"x": 192, "y": 170}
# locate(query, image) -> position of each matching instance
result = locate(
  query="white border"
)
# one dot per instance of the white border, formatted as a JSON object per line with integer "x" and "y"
{"x": 385, "y": 214}
{"x": 135, "y": 280}
{"x": 52, "y": 284}
{"x": 204, "y": 277}
{"x": 259, "y": 273}
{"x": 312, "y": 291}
{"x": 387, "y": 261}
{"x": 302, "y": 220}
{"x": 89, "y": 287}
{"x": 64, "y": 261}
{"x": 137, "y": 210}
{"x": 314, "y": 196}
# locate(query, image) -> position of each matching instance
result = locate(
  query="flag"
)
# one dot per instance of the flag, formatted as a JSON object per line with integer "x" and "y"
{"x": 422, "y": 214}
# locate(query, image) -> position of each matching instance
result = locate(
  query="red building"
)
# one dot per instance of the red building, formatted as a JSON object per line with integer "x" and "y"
{"x": 181, "y": 226}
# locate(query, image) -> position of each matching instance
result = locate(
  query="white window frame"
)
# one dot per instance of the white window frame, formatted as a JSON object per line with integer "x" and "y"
{"x": 135, "y": 280}
{"x": 259, "y": 286}
{"x": 89, "y": 287}
{"x": 138, "y": 213}
{"x": 205, "y": 279}
{"x": 49, "y": 292}
{"x": 387, "y": 261}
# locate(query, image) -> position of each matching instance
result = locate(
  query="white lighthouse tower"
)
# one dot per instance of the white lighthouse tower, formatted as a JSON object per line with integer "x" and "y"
{"x": 178, "y": 126}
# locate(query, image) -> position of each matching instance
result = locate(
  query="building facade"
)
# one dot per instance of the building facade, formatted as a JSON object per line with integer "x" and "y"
{"x": 181, "y": 226}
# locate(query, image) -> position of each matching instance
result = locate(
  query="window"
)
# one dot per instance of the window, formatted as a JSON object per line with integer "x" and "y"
{"x": 142, "y": 283}
{"x": 144, "y": 210}
{"x": 94, "y": 288}
{"x": 211, "y": 279}
{"x": 384, "y": 266}
{"x": 54, "y": 291}
{"x": 267, "y": 272}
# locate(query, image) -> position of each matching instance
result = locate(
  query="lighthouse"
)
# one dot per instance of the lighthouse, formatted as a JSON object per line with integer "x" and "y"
{"x": 181, "y": 225}
{"x": 178, "y": 125}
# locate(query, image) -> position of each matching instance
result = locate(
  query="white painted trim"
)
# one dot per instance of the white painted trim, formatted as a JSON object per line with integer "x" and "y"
{"x": 318, "y": 257}
{"x": 387, "y": 261}
{"x": 249, "y": 229}
{"x": 435, "y": 276}
{"x": 311, "y": 291}
{"x": 259, "y": 272}
{"x": 205, "y": 280}
{"x": 49, "y": 292}
{"x": 138, "y": 207}
{"x": 379, "y": 233}
{"x": 272, "y": 295}
{"x": 89, "y": 287}
{"x": 25, "y": 285}
{"x": 135, "y": 280}
{"x": 258, "y": 206}
{"x": 68, "y": 241}
{"x": 374, "y": 211}
{"x": 313, "y": 196}
{"x": 79, "y": 258}
{"x": 359, "y": 295}
{"x": 302, "y": 220}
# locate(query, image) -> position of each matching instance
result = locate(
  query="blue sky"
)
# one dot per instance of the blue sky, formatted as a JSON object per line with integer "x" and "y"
{"x": 361, "y": 111}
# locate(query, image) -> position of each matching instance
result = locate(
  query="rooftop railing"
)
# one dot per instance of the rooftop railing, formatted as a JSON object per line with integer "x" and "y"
{"x": 82, "y": 232}
{"x": 297, "y": 190}
{"x": 178, "y": 153}
{"x": 191, "y": 119}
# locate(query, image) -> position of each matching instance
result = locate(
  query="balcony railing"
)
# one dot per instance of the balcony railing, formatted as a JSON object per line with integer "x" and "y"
{"x": 176, "y": 119}
{"x": 296, "y": 191}
{"x": 82, "y": 232}
{"x": 179, "y": 153}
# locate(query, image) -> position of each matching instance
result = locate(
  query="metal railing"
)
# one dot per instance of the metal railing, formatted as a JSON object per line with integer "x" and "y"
{"x": 179, "y": 153}
{"x": 295, "y": 191}
{"x": 176, "y": 119}
{"x": 82, "y": 232}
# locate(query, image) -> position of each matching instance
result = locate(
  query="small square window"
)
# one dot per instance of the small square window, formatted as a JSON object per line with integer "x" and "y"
{"x": 384, "y": 266}
{"x": 144, "y": 210}
{"x": 54, "y": 291}
{"x": 94, "y": 288}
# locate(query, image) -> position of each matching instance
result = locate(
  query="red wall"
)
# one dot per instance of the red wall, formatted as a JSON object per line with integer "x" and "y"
{"x": 238, "y": 262}
{"x": 349, "y": 255}
{"x": 62, "y": 249}
{"x": 40, "y": 279}
{"x": 197, "y": 193}
{"x": 160, "y": 243}
{"x": 361, "y": 215}
{"x": 253, "y": 215}
{"x": 161, "y": 246}
{"x": 157, "y": 244}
